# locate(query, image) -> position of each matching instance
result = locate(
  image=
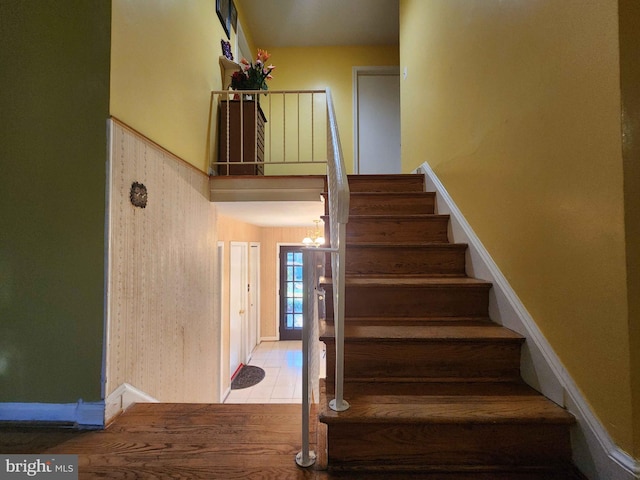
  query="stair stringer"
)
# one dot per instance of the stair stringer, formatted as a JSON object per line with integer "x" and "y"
{"x": 594, "y": 451}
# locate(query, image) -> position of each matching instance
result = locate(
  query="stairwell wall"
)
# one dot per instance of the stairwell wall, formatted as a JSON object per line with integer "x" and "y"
{"x": 321, "y": 67}
{"x": 516, "y": 106}
{"x": 629, "y": 15}
{"x": 164, "y": 65}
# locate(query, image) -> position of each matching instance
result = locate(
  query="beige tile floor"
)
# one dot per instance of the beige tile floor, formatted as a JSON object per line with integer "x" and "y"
{"x": 282, "y": 363}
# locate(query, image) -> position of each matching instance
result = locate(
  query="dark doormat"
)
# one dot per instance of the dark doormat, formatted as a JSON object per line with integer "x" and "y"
{"x": 248, "y": 376}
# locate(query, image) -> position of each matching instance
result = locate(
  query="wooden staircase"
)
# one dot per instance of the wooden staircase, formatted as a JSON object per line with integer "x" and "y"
{"x": 434, "y": 385}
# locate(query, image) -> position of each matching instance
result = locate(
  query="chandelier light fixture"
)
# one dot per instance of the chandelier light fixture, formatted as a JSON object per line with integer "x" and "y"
{"x": 314, "y": 239}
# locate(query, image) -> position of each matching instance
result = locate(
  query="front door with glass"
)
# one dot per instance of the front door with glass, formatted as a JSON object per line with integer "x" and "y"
{"x": 291, "y": 293}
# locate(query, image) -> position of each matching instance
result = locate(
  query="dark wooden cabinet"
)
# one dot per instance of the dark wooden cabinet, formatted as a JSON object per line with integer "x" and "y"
{"x": 244, "y": 128}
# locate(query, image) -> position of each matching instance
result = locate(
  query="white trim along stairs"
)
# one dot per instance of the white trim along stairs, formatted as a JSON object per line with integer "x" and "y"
{"x": 594, "y": 451}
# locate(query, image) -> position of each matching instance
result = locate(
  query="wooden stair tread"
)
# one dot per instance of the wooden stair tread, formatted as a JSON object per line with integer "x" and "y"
{"x": 398, "y": 296}
{"x": 561, "y": 471}
{"x": 395, "y": 280}
{"x": 416, "y": 276}
{"x": 407, "y": 228}
{"x": 396, "y": 217}
{"x": 470, "y": 409}
{"x": 411, "y": 259}
{"x": 385, "y": 176}
{"x": 473, "y": 333}
{"x": 404, "y": 245}
{"x": 457, "y": 320}
{"x": 411, "y": 200}
{"x": 356, "y": 389}
{"x": 416, "y": 194}
{"x": 385, "y": 182}
{"x": 394, "y": 194}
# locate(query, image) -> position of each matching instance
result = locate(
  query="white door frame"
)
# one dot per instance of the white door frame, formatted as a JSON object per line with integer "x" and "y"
{"x": 242, "y": 46}
{"x": 224, "y": 355}
{"x": 358, "y": 71}
{"x": 253, "y": 337}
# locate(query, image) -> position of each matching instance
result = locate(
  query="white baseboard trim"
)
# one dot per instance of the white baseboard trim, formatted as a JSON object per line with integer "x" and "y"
{"x": 122, "y": 398}
{"x": 82, "y": 414}
{"x": 270, "y": 339}
{"x": 594, "y": 451}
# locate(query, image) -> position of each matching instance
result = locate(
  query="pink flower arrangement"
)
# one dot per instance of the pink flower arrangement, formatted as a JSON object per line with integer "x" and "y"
{"x": 253, "y": 76}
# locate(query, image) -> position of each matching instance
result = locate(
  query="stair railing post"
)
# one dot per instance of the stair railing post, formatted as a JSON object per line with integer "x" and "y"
{"x": 339, "y": 404}
{"x": 306, "y": 458}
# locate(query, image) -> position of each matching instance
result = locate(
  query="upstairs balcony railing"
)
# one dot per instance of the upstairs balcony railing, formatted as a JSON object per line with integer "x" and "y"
{"x": 288, "y": 133}
{"x": 279, "y": 132}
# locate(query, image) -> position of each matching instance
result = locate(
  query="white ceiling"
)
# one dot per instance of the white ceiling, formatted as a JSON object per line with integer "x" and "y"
{"x": 304, "y": 23}
{"x": 273, "y": 213}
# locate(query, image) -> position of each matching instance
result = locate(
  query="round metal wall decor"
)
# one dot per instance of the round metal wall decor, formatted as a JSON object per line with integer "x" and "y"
{"x": 138, "y": 195}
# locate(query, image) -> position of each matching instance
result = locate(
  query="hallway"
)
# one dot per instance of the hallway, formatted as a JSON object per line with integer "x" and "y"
{"x": 282, "y": 363}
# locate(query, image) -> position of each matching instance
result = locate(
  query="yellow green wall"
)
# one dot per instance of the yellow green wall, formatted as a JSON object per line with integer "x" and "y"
{"x": 629, "y": 15}
{"x": 164, "y": 65}
{"x": 516, "y": 106}
{"x": 54, "y": 100}
{"x": 314, "y": 68}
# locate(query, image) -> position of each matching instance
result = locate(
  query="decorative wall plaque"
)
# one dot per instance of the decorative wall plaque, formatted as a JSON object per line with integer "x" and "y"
{"x": 226, "y": 49}
{"x": 138, "y": 195}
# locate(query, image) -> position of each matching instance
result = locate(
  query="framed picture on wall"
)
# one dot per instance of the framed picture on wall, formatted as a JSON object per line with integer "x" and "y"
{"x": 223, "y": 9}
{"x": 233, "y": 16}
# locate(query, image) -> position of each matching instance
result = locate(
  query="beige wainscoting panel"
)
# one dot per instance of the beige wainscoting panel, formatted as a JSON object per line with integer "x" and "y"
{"x": 163, "y": 334}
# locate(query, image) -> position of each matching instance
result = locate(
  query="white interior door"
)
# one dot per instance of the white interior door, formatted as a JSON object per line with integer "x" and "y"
{"x": 237, "y": 305}
{"x": 254, "y": 296}
{"x": 377, "y": 120}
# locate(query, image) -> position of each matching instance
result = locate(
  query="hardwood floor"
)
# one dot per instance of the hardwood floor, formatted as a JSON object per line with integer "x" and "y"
{"x": 185, "y": 441}
{"x": 202, "y": 441}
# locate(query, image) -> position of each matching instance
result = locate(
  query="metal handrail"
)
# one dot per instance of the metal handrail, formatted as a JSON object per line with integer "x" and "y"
{"x": 338, "y": 190}
{"x": 339, "y": 194}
